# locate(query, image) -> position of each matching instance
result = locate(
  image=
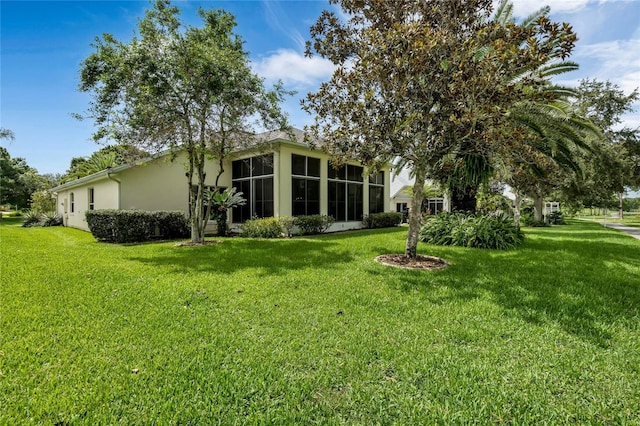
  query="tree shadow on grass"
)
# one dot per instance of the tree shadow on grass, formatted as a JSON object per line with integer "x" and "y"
{"x": 580, "y": 277}
{"x": 234, "y": 254}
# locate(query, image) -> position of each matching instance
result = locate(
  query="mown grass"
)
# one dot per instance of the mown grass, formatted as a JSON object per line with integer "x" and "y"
{"x": 313, "y": 331}
{"x": 629, "y": 218}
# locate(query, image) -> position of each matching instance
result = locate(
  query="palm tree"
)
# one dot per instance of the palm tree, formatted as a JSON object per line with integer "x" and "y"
{"x": 549, "y": 124}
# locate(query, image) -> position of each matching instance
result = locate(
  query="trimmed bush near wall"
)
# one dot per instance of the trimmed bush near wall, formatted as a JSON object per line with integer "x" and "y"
{"x": 481, "y": 231}
{"x": 275, "y": 227}
{"x": 268, "y": 227}
{"x": 382, "y": 220}
{"x": 314, "y": 224}
{"x": 128, "y": 226}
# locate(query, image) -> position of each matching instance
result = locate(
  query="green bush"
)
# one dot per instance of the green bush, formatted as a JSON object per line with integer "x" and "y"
{"x": 128, "y": 226}
{"x": 481, "y": 231}
{"x": 268, "y": 227}
{"x": 556, "y": 218}
{"x": 314, "y": 224}
{"x": 51, "y": 218}
{"x": 382, "y": 220}
{"x": 288, "y": 224}
{"x": 530, "y": 220}
{"x": 31, "y": 218}
{"x": 171, "y": 224}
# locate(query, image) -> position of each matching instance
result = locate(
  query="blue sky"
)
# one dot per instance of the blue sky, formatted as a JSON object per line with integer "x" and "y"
{"x": 44, "y": 42}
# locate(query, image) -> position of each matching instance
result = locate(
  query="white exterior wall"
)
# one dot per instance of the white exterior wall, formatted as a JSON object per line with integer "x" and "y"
{"x": 162, "y": 184}
{"x": 105, "y": 193}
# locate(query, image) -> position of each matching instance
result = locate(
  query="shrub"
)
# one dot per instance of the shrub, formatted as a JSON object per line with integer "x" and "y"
{"x": 268, "y": 227}
{"x": 288, "y": 223}
{"x": 529, "y": 220}
{"x": 382, "y": 220}
{"x": 171, "y": 224}
{"x": 43, "y": 201}
{"x": 31, "y": 218}
{"x": 556, "y": 218}
{"x": 314, "y": 224}
{"x": 481, "y": 231}
{"x": 128, "y": 226}
{"x": 51, "y": 218}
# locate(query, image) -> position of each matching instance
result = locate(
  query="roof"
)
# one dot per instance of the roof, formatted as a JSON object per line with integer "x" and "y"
{"x": 271, "y": 136}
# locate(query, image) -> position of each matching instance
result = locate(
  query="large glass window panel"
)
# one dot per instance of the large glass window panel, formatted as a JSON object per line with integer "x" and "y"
{"x": 263, "y": 198}
{"x": 298, "y": 165}
{"x": 376, "y": 200}
{"x": 262, "y": 165}
{"x": 377, "y": 178}
{"x": 313, "y": 196}
{"x": 354, "y": 173}
{"x": 241, "y": 168}
{"x": 242, "y": 213}
{"x": 338, "y": 173}
{"x": 354, "y": 201}
{"x": 313, "y": 167}
{"x": 337, "y": 201}
{"x": 299, "y": 189}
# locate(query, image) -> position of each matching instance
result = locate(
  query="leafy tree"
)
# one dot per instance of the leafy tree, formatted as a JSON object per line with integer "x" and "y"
{"x": 18, "y": 180}
{"x": 545, "y": 127}
{"x": 618, "y": 165}
{"x": 424, "y": 81}
{"x": 181, "y": 88}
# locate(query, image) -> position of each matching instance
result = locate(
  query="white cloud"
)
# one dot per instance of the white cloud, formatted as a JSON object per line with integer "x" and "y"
{"x": 617, "y": 61}
{"x": 293, "y": 68}
{"x": 524, "y": 8}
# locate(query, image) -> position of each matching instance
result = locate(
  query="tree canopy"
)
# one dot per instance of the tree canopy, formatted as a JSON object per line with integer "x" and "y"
{"x": 425, "y": 81}
{"x": 178, "y": 87}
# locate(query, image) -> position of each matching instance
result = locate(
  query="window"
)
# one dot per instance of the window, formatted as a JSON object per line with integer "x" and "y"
{"x": 376, "y": 193}
{"x": 91, "y": 199}
{"x": 254, "y": 178}
{"x": 346, "y": 193}
{"x": 73, "y": 203}
{"x": 433, "y": 205}
{"x": 305, "y": 185}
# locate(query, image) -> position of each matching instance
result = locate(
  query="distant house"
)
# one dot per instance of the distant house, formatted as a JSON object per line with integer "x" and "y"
{"x": 401, "y": 190}
{"x": 287, "y": 179}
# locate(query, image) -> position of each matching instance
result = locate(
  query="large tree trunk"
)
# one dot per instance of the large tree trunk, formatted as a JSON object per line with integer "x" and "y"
{"x": 516, "y": 209}
{"x": 620, "y": 205}
{"x": 464, "y": 199}
{"x": 415, "y": 213}
{"x": 538, "y": 205}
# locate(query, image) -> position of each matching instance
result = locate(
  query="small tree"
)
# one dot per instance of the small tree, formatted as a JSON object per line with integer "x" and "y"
{"x": 178, "y": 87}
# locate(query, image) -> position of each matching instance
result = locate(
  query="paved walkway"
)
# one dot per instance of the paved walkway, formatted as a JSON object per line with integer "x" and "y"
{"x": 634, "y": 232}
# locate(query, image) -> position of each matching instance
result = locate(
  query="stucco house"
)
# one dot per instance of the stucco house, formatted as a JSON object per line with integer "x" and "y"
{"x": 401, "y": 189}
{"x": 287, "y": 179}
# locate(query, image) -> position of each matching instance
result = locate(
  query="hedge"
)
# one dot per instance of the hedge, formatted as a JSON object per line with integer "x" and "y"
{"x": 313, "y": 224}
{"x": 128, "y": 226}
{"x": 382, "y": 220}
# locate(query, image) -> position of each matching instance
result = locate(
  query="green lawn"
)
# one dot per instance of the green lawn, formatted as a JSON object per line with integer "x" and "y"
{"x": 629, "y": 218}
{"x": 313, "y": 331}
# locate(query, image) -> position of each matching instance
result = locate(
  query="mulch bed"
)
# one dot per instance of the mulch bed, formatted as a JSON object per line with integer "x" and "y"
{"x": 421, "y": 262}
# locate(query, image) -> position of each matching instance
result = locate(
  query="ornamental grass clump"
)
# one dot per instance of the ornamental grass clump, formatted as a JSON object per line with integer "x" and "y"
{"x": 477, "y": 231}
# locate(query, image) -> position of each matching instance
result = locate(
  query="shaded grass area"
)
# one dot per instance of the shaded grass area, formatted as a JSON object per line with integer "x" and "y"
{"x": 312, "y": 330}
